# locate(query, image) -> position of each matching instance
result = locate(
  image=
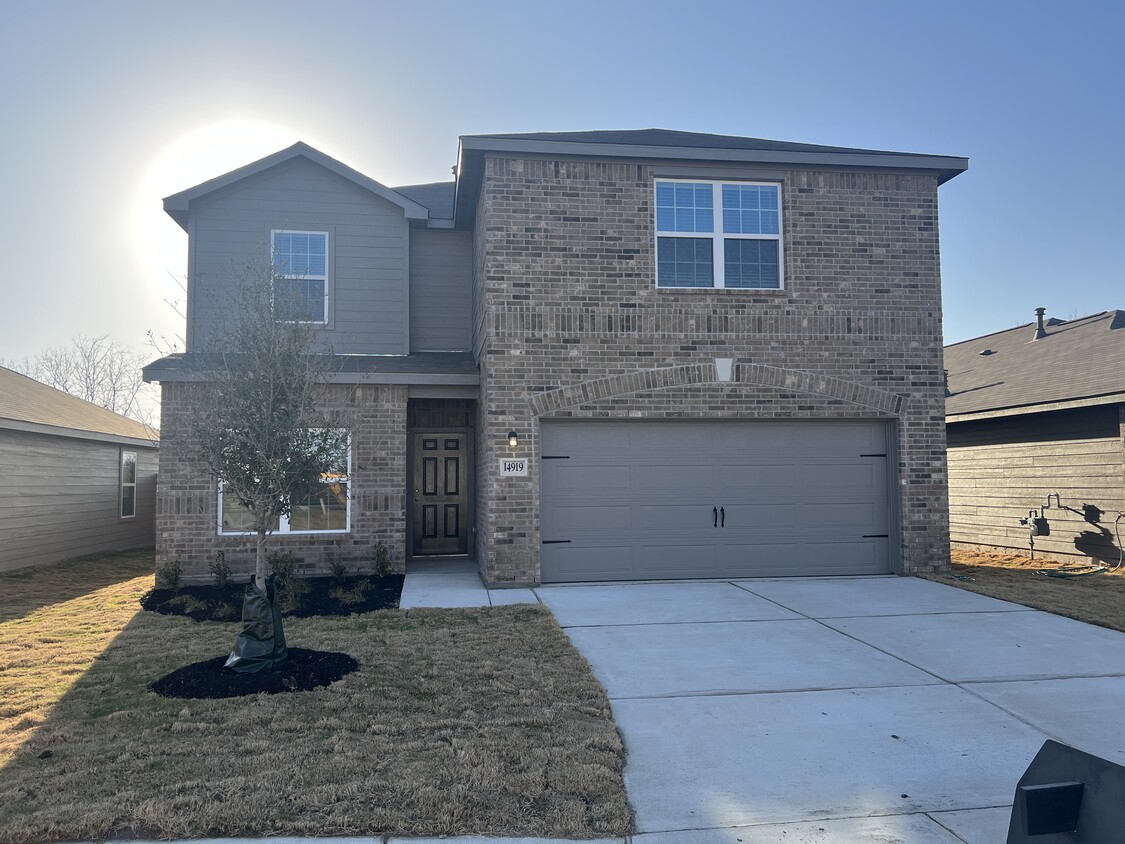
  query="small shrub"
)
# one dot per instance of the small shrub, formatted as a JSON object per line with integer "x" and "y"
{"x": 382, "y": 560}
{"x": 168, "y": 575}
{"x": 283, "y": 564}
{"x": 336, "y": 563}
{"x": 220, "y": 570}
{"x": 350, "y": 597}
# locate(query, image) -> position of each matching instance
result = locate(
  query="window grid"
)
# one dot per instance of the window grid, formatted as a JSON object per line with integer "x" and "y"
{"x": 300, "y": 262}
{"x": 743, "y": 252}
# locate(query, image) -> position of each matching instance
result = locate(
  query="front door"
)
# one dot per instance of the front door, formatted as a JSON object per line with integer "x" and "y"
{"x": 440, "y": 496}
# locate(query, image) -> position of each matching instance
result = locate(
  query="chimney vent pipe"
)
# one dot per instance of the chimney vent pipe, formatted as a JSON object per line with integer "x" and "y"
{"x": 1040, "y": 329}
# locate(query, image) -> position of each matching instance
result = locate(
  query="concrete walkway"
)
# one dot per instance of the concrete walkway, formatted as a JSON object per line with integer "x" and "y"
{"x": 826, "y": 710}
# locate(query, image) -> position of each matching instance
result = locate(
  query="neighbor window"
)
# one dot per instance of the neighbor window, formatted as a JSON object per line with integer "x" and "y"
{"x": 300, "y": 284}
{"x": 325, "y": 511}
{"x": 718, "y": 234}
{"x": 128, "y": 479}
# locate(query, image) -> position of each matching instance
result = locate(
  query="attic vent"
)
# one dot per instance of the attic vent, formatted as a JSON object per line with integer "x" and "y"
{"x": 986, "y": 352}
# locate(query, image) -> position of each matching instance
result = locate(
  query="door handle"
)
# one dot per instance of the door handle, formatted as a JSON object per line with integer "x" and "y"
{"x": 715, "y": 511}
{"x": 723, "y": 515}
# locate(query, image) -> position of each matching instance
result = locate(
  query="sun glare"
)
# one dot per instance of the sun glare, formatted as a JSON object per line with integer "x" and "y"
{"x": 159, "y": 244}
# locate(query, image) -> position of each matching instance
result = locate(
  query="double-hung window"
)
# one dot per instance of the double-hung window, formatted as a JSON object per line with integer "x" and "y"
{"x": 718, "y": 234}
{"x": 300, "y": 275}
{"x": 325, "y": 511}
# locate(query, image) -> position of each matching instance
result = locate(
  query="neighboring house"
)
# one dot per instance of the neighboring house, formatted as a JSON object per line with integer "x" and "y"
{"x": 599, "y": 356}
{"x": 75, "y": 478}
{"x": 1032, "y": 412}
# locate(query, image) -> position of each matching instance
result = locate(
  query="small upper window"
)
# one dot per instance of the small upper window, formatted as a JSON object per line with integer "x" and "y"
{"x": 300, "y": 283}
{"x": 742, "y": 251}
{"x": 128, "y": 481}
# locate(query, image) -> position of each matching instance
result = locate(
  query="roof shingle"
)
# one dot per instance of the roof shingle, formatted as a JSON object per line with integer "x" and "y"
{"x": 1078, "y": 359}
{"x": 24, "y": 399}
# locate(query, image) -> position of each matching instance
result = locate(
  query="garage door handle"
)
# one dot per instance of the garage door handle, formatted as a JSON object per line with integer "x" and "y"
{"x": 723, "y": 517}
{"x": 715, "y": 511}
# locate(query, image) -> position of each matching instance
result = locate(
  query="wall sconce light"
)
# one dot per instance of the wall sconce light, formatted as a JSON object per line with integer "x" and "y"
{"x": 513, "y": 439}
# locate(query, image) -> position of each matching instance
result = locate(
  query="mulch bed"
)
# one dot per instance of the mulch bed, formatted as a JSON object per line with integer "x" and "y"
{"x": 303, "y": 670}
{"x": 316, "y": 596}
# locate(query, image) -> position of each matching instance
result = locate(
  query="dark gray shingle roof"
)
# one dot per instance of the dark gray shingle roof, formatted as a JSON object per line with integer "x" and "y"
{"x": 1078, "y": 359}
{"x": 436, "y": 196}
{"x": 674, "y": 138}
{"x": 24, "y": 399}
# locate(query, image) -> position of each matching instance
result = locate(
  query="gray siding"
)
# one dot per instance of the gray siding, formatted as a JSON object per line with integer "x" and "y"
{"x": 999, "y": 469}
{"x": 59, "y": 498}
{"x": 367, "y": 262}
{"x": 441, "y": 278}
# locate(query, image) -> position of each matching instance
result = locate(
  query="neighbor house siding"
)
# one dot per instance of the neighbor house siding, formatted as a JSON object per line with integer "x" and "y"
{"x": 1000, "y": 469}
{"x": 59, "y": 498}
{"x": 368, "y": 241}
{"x": 441, "y": 268}
{"x": 187, "y": 498}
{"x": 568, "y": 323}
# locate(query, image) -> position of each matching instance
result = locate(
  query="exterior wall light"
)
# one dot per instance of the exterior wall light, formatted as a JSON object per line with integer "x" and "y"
{"x": 513, "y": 439}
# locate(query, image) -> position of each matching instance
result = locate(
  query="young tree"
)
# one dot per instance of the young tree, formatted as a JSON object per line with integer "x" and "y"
{"x": 258, "y": 423}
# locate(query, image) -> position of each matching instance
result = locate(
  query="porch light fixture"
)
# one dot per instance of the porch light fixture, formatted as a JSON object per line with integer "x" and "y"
{"x": 513, "y": 439}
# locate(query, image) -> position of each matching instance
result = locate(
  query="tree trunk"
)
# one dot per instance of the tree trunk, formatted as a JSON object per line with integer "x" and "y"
{"x": 261, "y": 570}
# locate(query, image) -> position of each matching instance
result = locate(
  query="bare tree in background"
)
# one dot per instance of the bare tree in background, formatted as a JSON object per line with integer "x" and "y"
{"x": 96, "y": 369}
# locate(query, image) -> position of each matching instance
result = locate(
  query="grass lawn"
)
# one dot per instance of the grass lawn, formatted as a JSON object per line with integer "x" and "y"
{"x": 481, "y": 721}
{"x": 1098, "y": 599}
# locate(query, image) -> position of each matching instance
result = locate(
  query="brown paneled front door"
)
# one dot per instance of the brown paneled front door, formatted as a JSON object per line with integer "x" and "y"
{"x": 440, "y": 494}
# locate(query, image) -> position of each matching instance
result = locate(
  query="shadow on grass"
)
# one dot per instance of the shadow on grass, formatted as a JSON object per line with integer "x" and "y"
{"x": 482, "y": 721}
{"x": 24, "y": 591}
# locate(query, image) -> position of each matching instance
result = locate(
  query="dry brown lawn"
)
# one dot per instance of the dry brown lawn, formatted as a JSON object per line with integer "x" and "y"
{"x": 482, "y": 721}
{"x": 1098, "y": 599}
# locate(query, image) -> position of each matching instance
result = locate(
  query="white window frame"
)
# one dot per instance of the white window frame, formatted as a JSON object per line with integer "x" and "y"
{"x": 718, "y": 236}
{"x": 283, "y": 273}
{"x": 283, "y": 528}
{"x": 122, "y": 484}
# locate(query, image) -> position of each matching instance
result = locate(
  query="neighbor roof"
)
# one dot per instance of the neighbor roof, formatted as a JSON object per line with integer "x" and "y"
{"x": 26, "y": 404}
{"x": 436, "y": 196}
{"x": 177, "y": 205}
{"x": 670, "y": 145}
{"x": 1079, "y": 361}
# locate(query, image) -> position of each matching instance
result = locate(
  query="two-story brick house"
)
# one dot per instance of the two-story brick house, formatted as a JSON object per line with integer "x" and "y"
{"x": 600, "y": 356}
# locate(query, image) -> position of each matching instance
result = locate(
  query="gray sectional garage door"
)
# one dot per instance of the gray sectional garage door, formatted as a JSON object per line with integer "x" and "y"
{"x": 650, "y": 500}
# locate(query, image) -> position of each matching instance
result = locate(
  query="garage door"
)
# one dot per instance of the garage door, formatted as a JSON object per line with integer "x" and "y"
{"x": 652, "y": 500}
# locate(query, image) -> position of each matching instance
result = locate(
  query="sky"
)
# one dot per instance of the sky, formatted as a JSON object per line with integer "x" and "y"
{"x": 109, "y": 106}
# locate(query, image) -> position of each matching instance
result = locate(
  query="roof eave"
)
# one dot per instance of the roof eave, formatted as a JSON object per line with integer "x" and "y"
{"x": 471, "y": 150}
{"x": 178, "y": 205}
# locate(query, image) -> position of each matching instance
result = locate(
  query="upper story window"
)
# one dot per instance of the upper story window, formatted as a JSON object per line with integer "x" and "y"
{"x": 718, "y": 234}
{"x": 300, "y": 285}
{"x": 128, "y": 483}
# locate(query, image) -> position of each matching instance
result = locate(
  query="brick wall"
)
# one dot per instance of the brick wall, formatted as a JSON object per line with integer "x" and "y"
{"x": 187, "y": 501}
{"x": 568, "y": 322}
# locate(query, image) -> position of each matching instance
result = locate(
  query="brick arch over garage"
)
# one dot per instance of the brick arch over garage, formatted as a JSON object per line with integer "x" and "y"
{"x": 705, "y": 373}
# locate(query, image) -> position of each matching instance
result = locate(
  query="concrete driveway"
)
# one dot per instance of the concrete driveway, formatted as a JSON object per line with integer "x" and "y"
{"x": 837, "y": 710}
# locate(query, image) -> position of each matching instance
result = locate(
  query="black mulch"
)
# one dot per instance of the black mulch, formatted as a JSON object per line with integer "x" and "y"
{"x": 315, "y": 596}
{"x": 303, "y": 670}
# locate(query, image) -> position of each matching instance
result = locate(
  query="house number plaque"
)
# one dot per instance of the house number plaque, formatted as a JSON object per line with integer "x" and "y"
{"x": 512, "y": 468}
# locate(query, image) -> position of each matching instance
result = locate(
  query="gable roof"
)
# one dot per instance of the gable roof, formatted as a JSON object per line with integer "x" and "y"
{"x": 26, "y": 404}
{"x": 1079, "y": 361}
{"x": 177, "y": 205}
{"x": 671, "y": 145}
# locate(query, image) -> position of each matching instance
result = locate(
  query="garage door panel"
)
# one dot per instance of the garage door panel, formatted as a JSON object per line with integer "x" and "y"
{"x": 576, "y": 478}
{"x": 654, "y": 480}
{"x": 634, "y": 500}
{"x": 567, "y": 520}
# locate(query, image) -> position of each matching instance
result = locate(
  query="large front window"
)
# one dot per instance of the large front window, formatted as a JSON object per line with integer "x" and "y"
{"x": 300, "y": 275}
{"x": 325, "y": 511}
{"x": 718, "y": 235}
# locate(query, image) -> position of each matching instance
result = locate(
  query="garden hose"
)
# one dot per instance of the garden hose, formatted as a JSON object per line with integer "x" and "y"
{"x": 1091, "y": 568}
